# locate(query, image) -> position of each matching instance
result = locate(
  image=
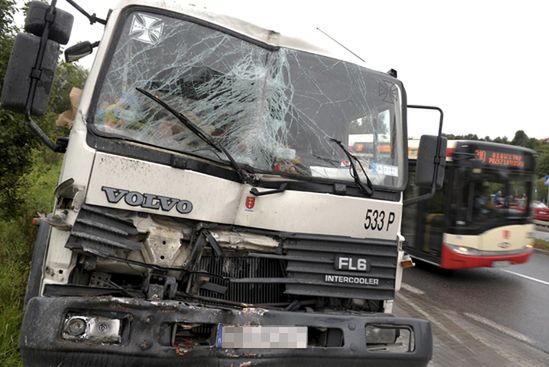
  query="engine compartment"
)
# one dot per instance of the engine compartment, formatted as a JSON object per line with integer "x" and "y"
{"x": 154, "y": 257}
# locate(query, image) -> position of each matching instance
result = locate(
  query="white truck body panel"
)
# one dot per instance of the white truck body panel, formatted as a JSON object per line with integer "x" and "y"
{"x": 223, "y": 201}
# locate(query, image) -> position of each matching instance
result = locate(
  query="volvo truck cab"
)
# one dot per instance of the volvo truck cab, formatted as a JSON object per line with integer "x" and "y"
{"x": 210, "y": 209}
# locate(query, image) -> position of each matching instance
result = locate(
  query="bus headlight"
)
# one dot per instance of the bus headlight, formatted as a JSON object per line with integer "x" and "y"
{"x": 462, "y": 250}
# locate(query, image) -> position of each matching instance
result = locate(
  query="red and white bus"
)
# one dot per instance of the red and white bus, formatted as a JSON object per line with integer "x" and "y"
{"x": 481, "y": 217}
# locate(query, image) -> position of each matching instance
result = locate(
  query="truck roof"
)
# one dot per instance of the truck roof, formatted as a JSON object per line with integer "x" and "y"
{"x": 310, "y": 39}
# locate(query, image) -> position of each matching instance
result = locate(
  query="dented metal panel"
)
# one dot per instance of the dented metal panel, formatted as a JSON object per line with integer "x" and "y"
{"x": 141, "y": 348}
{"x": 223, "y": 201}
{"x": 102, "y": 232}
{"x": 212, "y": 199}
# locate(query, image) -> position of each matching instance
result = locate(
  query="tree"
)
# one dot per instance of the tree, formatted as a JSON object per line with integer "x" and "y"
{"x": 461, "y": 137}
{"x": 67, "y": 76}
{"x": 520, "y": 139}
{"x": 500, "y": 140}
{"x": 16, "y": 139}
{"x": 533, "y": 143}
{"x": 542, "y": 161}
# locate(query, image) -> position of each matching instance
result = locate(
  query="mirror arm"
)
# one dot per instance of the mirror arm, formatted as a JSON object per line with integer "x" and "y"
{"x": 58, "y": 148}
{"x": 419, "y": 198}
{"x": 91, "y": 17}
{"x": 35, "y": 77}
{"x": 36, "y": 72}
{"x": 436, "y": 160}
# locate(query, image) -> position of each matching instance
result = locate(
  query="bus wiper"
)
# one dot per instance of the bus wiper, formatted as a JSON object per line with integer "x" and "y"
{"x": 368, "y": 189}
{"x": 243, "y": 175}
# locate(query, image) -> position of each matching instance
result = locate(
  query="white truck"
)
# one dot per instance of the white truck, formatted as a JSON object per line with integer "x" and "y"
{"x": 209, "y": 211}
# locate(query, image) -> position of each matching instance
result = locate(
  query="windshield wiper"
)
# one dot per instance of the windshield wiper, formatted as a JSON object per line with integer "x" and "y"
{"x": 255, "y": 192}
{"x": 333, "y": 162}
{"x": 368, "y": 189}
{"x": 243, "y": 175}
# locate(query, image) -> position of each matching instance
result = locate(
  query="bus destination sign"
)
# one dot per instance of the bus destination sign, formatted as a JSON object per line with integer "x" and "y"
{"x": 500, "y": 159}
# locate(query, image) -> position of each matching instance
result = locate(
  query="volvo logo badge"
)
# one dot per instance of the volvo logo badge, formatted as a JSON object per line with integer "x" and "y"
{"x": 147, "y": 201}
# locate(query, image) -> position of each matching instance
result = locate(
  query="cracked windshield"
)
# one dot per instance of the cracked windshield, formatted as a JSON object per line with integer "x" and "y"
{"x": 273, "y": 109}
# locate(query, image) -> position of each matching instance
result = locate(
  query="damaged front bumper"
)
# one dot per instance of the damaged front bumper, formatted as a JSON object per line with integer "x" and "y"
{"x": 135, "y": 332}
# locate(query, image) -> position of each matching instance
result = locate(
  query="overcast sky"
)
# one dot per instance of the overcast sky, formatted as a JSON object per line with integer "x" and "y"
{"x": 485, "y": 63}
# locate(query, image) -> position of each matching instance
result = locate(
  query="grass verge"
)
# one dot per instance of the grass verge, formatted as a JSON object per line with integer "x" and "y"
{"x": 16, "y": 239}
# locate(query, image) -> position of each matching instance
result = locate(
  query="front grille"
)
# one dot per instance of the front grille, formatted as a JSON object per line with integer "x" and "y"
{"x": 312, "y": 259}
{"x": 271, "y": 278}
{"x": 250, "y": 268}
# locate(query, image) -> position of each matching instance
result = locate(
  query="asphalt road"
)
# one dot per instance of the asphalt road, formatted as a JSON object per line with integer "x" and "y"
{"x": 484, "y": 317}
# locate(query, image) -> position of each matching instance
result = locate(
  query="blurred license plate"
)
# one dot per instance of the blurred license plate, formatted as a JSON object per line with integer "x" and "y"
{"x": 500, "y": 264}
{"x": 253, "y": 337}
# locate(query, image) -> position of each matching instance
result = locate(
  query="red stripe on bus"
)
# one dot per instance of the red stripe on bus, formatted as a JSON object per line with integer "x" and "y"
{"x": 452, "y": 260}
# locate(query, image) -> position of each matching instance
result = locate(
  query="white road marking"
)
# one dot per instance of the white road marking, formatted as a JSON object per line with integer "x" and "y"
{"x": 501, "y": 328}
{"x": 526, "y": 277}
{"x": 412, "y": 289}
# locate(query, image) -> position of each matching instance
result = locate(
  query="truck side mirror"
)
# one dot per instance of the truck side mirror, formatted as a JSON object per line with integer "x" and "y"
{"x": 78, "y": 51}
{"x": 21, "y": 71}
{"x": 33, "y": 61}
{"x": 37, "y": 17}
{"x": 428, "y": 159}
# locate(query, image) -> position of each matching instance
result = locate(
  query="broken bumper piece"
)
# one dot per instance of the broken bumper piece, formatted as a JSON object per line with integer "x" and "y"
{"x": 107, "y": 331}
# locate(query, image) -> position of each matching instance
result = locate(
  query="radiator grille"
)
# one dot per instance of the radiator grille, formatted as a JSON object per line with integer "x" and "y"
{"x": 271, "y": 278}
{"x": 244, "y": 268}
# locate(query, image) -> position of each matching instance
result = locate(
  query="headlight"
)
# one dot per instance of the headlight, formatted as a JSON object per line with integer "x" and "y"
{"x": 463, "y": 250}
{"x": 92, "y": 328}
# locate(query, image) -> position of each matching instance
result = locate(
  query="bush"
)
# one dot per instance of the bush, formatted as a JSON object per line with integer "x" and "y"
{"x": 14, "y": 253}
{"x": 35, "y": 189}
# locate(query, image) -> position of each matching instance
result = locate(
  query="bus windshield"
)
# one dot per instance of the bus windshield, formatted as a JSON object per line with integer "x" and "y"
{"x": 273, "y": 109}
{"x": 490, "y": 196}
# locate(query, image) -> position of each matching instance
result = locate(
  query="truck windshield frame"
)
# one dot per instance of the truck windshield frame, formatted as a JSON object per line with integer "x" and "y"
{"x": 273, "y": 109}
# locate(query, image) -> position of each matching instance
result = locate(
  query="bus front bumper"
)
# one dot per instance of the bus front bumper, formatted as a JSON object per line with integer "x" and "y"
{"x": 452, "y": 259}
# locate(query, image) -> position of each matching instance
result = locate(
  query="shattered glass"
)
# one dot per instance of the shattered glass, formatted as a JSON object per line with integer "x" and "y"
{"x": 272, "y": 109}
